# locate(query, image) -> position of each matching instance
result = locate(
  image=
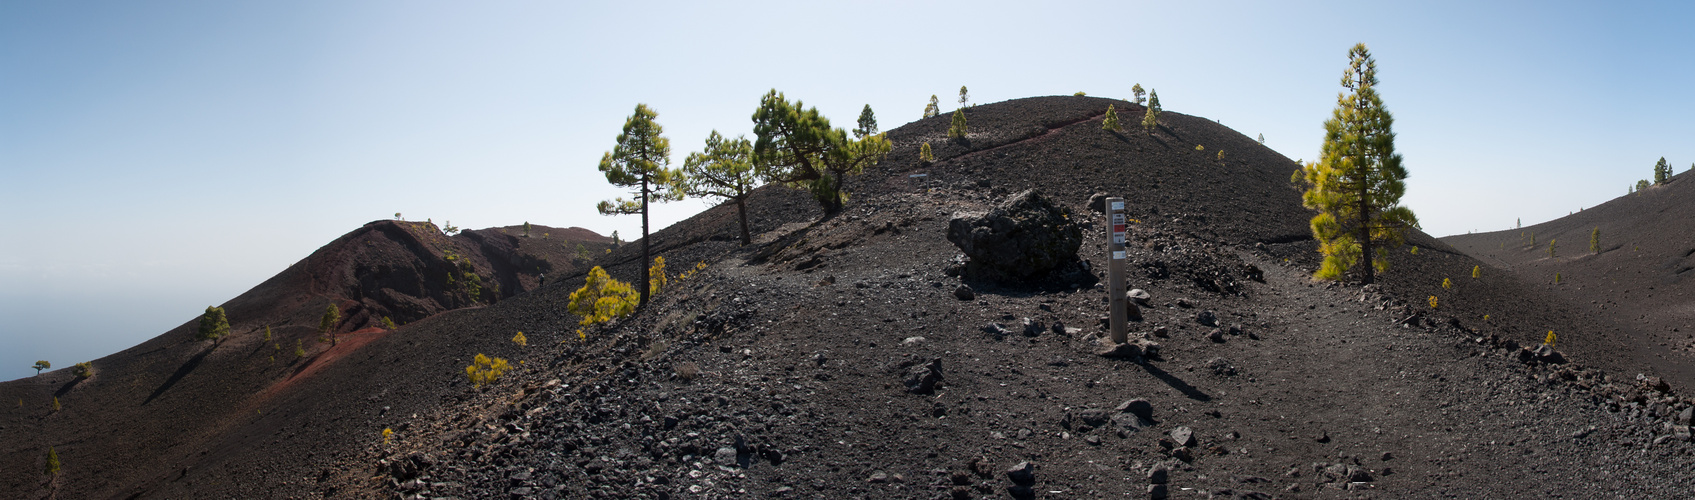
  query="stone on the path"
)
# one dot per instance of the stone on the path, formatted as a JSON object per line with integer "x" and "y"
{"x": 1183, "y": 436}
{"x": 1023, "y": 239}
{"x": 1139, "y": 296}
{"x": 922, "y": 379}
{"x": 1159, "y": 474}
{"x": 1216, "y": 335}
{"x": 1206, "y": 317}
{"x": 964, "y": 292}
{"x": 1032, "y": 327}
{"x": 1138, "y": 407}
{"x": 1023, "y": 474}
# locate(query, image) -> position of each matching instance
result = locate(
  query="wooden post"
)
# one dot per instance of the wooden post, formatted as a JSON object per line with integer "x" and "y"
{"x": 1115, "y": 269}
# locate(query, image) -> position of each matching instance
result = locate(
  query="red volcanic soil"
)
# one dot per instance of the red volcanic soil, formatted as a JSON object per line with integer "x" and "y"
{"x": 1640, "y": 275}
{"x": 779, "y": 369}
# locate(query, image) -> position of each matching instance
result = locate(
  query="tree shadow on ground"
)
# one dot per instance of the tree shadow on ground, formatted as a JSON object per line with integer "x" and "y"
{"x": 182, "y": 371}
{"x": 1176, "y": 383}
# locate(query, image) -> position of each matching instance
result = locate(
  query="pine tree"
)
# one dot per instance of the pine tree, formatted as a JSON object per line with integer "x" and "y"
{"x": 1642, "y": 184}
{"x": 1662, "y": 171}
{"x": 1262, "y": 139}
{"x": 933, "y": 108}
{"x": 1138, "y": 92}
{"x": 725, "y": 170}
{"x": 327, "y": 323}
{"x": 957, "y": 129}
{"x": 924, "y": 154}
{"x": 1358, "y": 181}
{"x": 1551, "y": 245}
{"x": 267, "y": 333}
{"x": 1111, "y": 120}
{"x": 1150, "y": 120}
{"x": 800, "y": 149}
{"x": 52, "y": 461}
{"x": 526, "y": 229}
{"x": 963, "y": 96}
{"x": 213, "y": 325}
{"x": 638, "y": 162}
{"x": 867, "y": 124}
{"x": 41, "y": 365}
{"x": 1595, "y": 241}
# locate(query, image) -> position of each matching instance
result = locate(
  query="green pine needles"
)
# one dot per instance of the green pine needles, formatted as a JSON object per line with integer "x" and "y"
{"x": 933, "y": 108}
{"x": 1662, "y": 171}
{"x": 1595, "y": 241}
{"x": 1552, "y": 243}
{"x": 52, "y": 461}
{"x": 214, "y": 326}
{"x": 1356, "y": 185}
{"x": 1150, "y": 120}
{"x": 957, "y": 129}
{"x": 1111, "y": 120}
{"x": 328, "y": 322}
{"x": 1137, "y": 91}
{"x": 639, "y": 162}
{"x": 924, "y": 154}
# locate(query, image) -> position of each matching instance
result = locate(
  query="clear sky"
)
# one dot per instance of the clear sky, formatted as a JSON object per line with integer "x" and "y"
{"x": 158, "y": 157}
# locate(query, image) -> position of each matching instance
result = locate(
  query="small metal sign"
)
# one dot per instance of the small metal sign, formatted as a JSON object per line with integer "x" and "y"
{"x": 1117, "y": 255}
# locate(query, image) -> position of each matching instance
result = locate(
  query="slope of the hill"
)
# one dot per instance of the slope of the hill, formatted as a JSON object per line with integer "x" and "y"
{"x": 1639, "y": 276}
{"x": 780, "y": 369}
{"x": 173, "y": 392}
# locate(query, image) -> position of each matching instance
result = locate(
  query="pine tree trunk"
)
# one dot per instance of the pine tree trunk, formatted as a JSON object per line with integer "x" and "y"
{"x": 643, "y": 286}
{"x": 741, "y": 208}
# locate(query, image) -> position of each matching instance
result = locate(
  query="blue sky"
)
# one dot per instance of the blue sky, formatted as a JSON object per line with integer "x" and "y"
{"x": 158, "y": 157}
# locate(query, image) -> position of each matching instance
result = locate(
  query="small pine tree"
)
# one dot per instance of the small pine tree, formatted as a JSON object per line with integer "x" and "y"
{"x": 933, "y": 108}
{"x": 83, "y": 370}
{"x": 1432, "y": 301}
{"x": 656, "y": 276}
{"x": 52, "y": 461}
{"x": 963, "y": 96}
{"x": 1150, "y": 120}
{"x": 299, "y": 351}
{"x": 1476, "y": 272}
{"x": 486, "y": 370}
{"x": 1111, "y": 120}
{"x": 388, "y": 324}
{"x": 267, "y": 333}
{"x": 1137, "y": 91}
{"x": 1447, "y": 284}
{"x": 1595, "y": 241}
{"x": 1220, "y": 155}
{"x": 326, "y": 324}
{"x": 1662, "y": 171}
{"x": 1080, "y": 93}
{"x": 1642, "y": 184}
{"x": 1551, "y": 244}
{"x": 957, "y": 129}
{"x": 867, "y": 124}
{"x": 1262, "y": 139}
{"x": 526, "y": 229}
{"x": 42, "y": 365}
{"x": 214, "y": 325}
{"x": 924, "y": 154}
{"x": 56, "y": 406}
{"x": 1199, "y": 147}
{"x": 521, "y": 340}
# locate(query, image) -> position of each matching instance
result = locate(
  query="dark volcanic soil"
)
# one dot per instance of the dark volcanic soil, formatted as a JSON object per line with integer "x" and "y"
{"x": 1638, "y": 276}
{"x": 779, "y": 370}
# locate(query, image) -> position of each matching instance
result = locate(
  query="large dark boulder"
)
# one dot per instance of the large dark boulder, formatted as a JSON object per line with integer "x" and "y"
{"x": 1026, "y": 239}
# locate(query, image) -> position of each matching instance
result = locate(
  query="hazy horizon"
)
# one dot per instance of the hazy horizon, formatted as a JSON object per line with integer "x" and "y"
{"x": 166, "y": 156}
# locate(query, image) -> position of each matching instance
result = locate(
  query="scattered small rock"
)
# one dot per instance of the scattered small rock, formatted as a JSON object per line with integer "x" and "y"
{"x": 923, "y": 379}
{"x": 1138, "y": 407}
{"x": 1023, "y": 474}
{"x": 1207, "y": 318}
{"x": 1032, "y": 327}
{"x": 1221, "y": 366}
{"x": 878, "y": 477}
{"x": 1216, "y": 335}
{"x": 1183, "y": 436}
{"x": 964, "y": 292}
{"x": 1139, "y": 296}
{"x": 1159, "y": 474}
{"x": 1162, "y": 332}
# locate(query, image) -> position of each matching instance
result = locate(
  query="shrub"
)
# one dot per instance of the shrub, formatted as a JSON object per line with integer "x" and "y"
{"x": 1476, "y": 272}
{"x": 1111, "y": 120}
{"x": 1551, "y": 246}
{"x": 388, "y": 324}
{"x": 1199, "y": 147}
{"x": 602, "y": 298}
{"x": 387, "y": 435}
{"x": 1220, "y": 155}
{"x": 688, "y": 371}
{"x": 957, "y": 129}
{"x": 1432, "y": 301}
{"x": 521, "y": 340}
{"x": 1556, "y": 278}
{"x": 656, "y": 276}
{"x": 52, "y": 461}
{"x": 267, "y": 333}
{"x": 83, "y": 370}
{"x": 1080, "y": 93}
{"x": 42, "y": 365}
{"x": 486, "y": 370}
{"x": 213, "y": 325}
{"x": 924, "y": 154}
{"x": 56, "y": 406}
{"x": 1549, "y": 340}
{"x": 692, "y": 272}
{"x": 1414, "y": 250}
{"x": 1595, "y": 241}
{"x": 1447, "y": 284}
{"x": 299, "y": 352}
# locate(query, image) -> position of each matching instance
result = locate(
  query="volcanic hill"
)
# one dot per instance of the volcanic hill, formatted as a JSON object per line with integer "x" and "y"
{"x": 782, "y": 369}
{"x": 1638, "y": 274}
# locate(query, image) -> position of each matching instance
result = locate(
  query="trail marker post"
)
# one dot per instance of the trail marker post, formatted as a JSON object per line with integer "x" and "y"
{"x": 1115, "y": 268}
